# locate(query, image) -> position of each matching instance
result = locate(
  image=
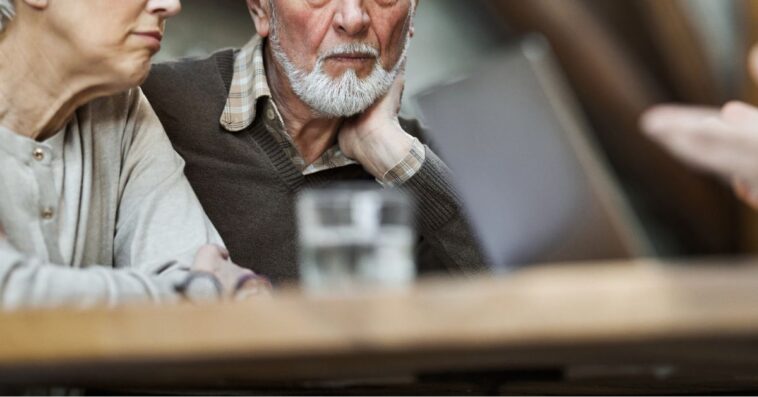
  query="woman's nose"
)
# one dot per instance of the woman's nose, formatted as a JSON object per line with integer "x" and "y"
{"x": 164, "y": 8}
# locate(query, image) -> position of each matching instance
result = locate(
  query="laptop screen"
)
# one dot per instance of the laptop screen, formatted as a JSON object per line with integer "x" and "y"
{"x": 533, "y": 187}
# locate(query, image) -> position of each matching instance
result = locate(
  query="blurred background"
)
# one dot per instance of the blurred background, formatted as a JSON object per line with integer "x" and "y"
{"x": 619, "y": 57}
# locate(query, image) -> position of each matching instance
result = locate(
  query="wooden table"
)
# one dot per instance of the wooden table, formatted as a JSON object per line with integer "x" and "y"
{"x": 586, "y": 328}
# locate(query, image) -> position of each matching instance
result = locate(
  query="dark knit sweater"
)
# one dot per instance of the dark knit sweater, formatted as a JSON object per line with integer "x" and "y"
{"x": 248, "y": 185}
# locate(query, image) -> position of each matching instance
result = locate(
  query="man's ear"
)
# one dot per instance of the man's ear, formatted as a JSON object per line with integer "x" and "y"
{"x": 412, "y": 27}
{"x": 261, "y": 14}
{"x": 37, "y": 4}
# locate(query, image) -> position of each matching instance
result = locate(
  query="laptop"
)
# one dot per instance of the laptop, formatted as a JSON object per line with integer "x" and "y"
{"x": 534, "y": 186}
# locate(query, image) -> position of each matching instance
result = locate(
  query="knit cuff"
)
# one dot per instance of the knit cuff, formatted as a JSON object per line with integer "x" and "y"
{"x": 432, "y": 188}
{"x": 406, "y": 168}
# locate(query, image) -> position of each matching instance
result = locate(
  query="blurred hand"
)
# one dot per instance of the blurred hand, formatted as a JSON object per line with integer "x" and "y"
{"x": 375, "y": 138}
{"x": 2, "y": 233}
{"x": 723, "y": 141}
{"x": 235, "y": 280}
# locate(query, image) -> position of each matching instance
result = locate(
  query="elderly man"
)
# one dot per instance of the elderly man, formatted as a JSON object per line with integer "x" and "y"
{"x": 311, "y": 100}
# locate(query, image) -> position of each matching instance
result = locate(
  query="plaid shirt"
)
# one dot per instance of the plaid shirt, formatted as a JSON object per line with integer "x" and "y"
{"x": 249, "y": 85}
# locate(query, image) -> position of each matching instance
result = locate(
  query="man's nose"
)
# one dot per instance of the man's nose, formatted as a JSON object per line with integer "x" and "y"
{"x": 164, "y": 8}
{"x": 351, "y": 17}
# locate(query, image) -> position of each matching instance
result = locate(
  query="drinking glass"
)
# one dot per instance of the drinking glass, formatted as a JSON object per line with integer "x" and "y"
{"x": 355, "y": 237}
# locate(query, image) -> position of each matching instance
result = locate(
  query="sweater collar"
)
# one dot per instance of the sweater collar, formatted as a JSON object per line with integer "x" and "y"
{"x": 248, "y": 86}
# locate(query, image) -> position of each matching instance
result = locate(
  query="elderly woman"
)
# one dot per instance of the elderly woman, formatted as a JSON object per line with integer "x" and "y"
{"x": 94, "y": 206}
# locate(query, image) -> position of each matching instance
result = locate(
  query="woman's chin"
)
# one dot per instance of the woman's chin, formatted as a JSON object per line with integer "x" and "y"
{"x": 134, "y": 73}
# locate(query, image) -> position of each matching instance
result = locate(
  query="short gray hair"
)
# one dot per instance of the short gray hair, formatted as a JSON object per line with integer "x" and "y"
{"x": 7, "y": 10}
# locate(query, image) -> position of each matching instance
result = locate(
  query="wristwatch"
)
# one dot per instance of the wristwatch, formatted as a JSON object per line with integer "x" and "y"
{"x": 200, "y": 287}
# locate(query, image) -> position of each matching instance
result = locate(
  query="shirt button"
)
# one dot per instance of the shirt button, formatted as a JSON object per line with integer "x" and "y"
{"x": 270, "y": 114}
{"x": 48, "y": 214}
{"x": 38, "y": 154}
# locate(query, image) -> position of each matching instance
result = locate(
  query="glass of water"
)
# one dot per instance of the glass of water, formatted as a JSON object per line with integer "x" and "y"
{"x": 355, "y": 237}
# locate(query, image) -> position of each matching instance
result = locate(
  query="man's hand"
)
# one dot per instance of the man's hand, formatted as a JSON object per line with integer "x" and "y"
{"x": 723, "y": 141}
{"x": 374, "y": 138}
{"x": 236, "y": 282}
{"x": 2, "y": 233}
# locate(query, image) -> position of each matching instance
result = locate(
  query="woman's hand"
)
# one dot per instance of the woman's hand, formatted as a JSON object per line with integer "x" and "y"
{"x": 236, "y": 282}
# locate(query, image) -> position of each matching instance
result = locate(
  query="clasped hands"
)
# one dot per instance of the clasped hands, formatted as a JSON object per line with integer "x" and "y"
{"x": 235, "y": 282}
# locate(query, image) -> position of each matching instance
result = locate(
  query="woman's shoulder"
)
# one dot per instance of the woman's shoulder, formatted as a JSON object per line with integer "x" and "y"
{"x": 122, "y": 129}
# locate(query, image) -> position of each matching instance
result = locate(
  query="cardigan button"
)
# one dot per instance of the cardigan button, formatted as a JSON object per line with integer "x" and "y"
{"x": 38, "y": 154}
{"x": 48, "y": 214}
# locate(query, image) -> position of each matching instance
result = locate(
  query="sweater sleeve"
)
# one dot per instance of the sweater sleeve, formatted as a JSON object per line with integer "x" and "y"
{"x": 27, "y": 282}
{"x": 160, "y": 224}
{"x": 447, "y": 241}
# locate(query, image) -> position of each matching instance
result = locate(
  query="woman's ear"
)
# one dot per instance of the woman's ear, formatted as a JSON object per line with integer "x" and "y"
{"x": 261, "y": 14}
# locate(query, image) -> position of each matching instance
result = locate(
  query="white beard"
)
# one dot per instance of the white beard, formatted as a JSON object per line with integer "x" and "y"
{"x": 343, "y": 96}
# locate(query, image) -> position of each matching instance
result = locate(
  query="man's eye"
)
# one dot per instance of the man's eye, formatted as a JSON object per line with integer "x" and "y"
{"x": 318, "y": 3}
{"x": 383, "y": 3}
{"x": 386, "y": 3}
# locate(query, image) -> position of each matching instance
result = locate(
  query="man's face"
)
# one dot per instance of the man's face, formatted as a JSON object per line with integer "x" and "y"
{"x": 340, "y": 55}
{"x": 313, "y": 27}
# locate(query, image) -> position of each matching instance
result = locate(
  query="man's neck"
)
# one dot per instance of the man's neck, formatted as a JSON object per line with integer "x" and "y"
{"x": 312, "y": 135}
{"x": 37, "y": 96}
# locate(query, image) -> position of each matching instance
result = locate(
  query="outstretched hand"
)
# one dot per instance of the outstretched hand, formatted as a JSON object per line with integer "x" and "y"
{"x": 722, "y": 141}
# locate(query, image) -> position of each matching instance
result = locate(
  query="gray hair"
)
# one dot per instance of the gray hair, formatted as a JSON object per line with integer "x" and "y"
{"x": 7, "y": 10}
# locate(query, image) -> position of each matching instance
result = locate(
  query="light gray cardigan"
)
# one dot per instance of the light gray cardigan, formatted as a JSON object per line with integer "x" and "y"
{"x": 99, "y": 214}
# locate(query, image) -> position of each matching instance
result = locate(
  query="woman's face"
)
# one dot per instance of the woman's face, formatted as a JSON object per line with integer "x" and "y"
{"x": 115, "y": 38}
